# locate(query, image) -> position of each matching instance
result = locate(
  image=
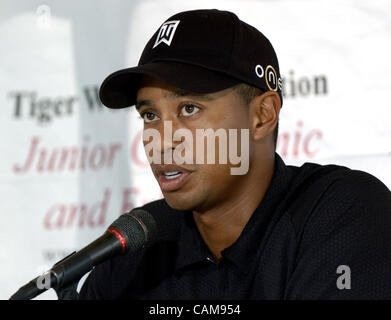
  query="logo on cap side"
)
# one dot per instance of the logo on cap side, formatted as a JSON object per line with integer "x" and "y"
{"x": 166, "y": 32}
{"x": 259, "y": 71}
{"x": 271, "y": 78}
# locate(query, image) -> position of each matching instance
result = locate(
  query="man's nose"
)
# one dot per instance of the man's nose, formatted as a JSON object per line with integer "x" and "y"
{"x": 167, "y": 130}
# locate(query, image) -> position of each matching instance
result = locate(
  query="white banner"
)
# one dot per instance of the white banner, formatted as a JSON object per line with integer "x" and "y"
{"x": 70, "y": 166}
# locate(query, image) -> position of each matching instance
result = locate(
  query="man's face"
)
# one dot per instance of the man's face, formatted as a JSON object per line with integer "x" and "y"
{"x": 191, "y": 186}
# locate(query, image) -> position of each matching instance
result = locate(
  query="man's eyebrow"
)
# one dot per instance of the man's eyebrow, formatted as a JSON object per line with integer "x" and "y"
{"x": 179, "y": 93}
{"x": 144, "y": 102}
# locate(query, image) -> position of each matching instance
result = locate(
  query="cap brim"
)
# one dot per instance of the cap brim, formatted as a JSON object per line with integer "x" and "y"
{"x": 119, "y": 90}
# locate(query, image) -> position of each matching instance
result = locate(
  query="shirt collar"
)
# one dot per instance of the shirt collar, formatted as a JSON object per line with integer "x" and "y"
{"x": 192, "y": 248}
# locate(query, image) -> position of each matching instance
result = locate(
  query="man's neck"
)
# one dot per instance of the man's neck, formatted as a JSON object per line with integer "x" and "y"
{"x": 221, "y": 226}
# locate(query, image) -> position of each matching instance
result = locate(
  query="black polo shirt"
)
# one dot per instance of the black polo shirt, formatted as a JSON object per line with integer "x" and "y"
{"x": 320, "y": 232}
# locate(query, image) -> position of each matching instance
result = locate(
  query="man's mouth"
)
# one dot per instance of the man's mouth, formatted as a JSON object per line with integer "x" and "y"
{"x": 171, "y": 177}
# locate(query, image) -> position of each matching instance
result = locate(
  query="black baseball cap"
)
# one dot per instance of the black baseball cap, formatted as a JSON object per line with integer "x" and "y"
{"x": 200, "y": 51}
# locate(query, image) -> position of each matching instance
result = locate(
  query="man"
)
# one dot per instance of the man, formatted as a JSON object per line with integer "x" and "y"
{"x": 269, "y": 232}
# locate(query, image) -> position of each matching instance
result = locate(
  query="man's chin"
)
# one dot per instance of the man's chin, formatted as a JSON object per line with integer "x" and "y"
{"x": 180, "y": 203}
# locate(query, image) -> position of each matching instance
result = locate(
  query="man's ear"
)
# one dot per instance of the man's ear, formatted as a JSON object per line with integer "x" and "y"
{"x": 264, "y": 112}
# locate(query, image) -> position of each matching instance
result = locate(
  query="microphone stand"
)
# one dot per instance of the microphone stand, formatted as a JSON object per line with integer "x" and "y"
{"x": 64, "y": 291}
{"x": 68, "y": 292}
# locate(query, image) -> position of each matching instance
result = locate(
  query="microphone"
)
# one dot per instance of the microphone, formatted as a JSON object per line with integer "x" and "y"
{"x": 130, "y": 232}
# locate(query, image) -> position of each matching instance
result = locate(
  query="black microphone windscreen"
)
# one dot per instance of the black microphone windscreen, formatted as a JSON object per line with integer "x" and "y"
{"x": 138, "y": 227}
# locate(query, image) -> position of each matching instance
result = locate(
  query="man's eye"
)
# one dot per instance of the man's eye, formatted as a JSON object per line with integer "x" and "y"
{"x": 189, "y": 109}
{"x": 149, "y": 117}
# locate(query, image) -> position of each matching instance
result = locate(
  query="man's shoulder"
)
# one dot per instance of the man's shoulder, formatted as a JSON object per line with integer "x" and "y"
{"x": 331, "y": 180}
{"x": 321, "y": 195}
{"x": 341, "y": 217}
{"x": 315, "y": 181}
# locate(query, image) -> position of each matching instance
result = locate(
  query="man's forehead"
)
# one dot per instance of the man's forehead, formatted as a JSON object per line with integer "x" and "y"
{"x": 169, "y": 91}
